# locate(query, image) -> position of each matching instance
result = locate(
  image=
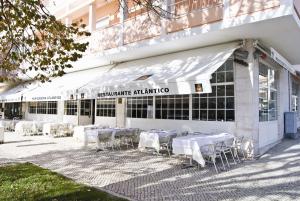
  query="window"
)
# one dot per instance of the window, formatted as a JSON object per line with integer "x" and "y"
{"x": 218, "y": 105}
{"x": 140, "y": 107}
{"x": 85, "y": 108}
{"x": 52, "y": 107}
{"x": 70, "y": 107}
{"x": 295, "y": 99}
{"x": 102, "y": 23}
{"x": 41, "y": 108}
{"x": 44, "y": 107}
{"x": 32, "y": 107}
{"x": 106, "y": 107}
{"x": 267, "y": 94}
{"x": 172, "y": 107}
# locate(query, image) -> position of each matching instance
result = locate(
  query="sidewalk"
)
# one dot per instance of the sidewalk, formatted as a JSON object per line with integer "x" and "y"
{"x": 142, "y": 176}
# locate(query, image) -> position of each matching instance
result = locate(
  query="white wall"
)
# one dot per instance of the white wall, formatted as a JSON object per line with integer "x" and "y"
{"x": 106, "y": 121}
{"x": 268, "y": 134}
{"x": 72, "y": 119}
{"x": 181, "y": 125}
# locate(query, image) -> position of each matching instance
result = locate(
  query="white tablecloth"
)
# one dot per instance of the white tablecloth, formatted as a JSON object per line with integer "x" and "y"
{"x": 191, "y": 144}
{"x": 27, "y": 127}
{"x": 8, "y": 124}
{"x": 151, "y": 139}
{"x": 57, "y": 129}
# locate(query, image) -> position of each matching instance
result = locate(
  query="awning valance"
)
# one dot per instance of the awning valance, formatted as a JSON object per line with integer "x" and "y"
{"x": 62, "y": 88}
{"x": 178, "y": 73}
{"x": 16, "y": 93}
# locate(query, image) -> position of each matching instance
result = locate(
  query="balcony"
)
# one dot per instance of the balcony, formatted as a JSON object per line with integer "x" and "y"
{"x": 189, "y": 14}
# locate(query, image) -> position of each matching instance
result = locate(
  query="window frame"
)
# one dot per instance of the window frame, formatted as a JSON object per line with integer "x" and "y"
{"x": 106, "y": 107}
{"x": 224, "y": 111}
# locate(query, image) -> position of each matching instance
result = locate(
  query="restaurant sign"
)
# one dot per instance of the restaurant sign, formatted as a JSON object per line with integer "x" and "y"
{"x": 45, "y": 98}
{"x": 135, "y": 92}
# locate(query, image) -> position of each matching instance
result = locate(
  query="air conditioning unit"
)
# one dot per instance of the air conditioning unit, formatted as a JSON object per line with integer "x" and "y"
{"x": 290, "y": 125}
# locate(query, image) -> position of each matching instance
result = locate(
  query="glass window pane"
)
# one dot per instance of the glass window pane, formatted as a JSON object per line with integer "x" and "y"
{"x": 211, "y": 115}
{"x": 229, "y": 103}
{"x": 221, "y": 90}
{"x": 229, "y": 90}
{"x": 229, "y": 115}
{"x": 229, "y": 76}
{"x": 220, "y": 77}
{"x": 203, "y": 115}
{"x": 211, "y": 103}
{"x": 221, "y": 103}
{"x": 221, "y": 115}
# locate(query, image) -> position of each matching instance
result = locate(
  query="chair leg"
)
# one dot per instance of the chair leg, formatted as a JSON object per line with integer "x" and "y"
{"x": 237, "y": 155}
{"x": 226, "y": 159}
{"x": 222, "y": 162}
{"x": 232, "y": 156}
{"x": 214, "y": 162}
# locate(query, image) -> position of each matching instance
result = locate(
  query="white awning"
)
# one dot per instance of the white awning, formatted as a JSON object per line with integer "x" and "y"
{"x": 62, "y": 88}
{"x": 177, "y": 73}
{"x": 15, "y": 94}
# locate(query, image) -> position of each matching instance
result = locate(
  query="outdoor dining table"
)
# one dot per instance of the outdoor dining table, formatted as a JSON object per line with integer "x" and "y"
{"x": 94, "y": 133}
{"x": 9, "y": 124}
{"x": 190, "y": 145}
{"x": 28, "y": 127}
{"x": 57, "y": 129}
{"x": 152, "y": 138}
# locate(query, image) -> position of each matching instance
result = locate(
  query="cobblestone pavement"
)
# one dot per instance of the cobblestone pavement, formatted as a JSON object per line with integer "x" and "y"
{"x": 145, "y": 177}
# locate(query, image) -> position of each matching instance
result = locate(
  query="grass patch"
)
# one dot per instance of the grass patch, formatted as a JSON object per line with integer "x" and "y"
{"x": 31, "y": 183}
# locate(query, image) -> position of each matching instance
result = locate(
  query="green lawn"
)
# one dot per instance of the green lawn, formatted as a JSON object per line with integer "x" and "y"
{"x": 28, "y": 182}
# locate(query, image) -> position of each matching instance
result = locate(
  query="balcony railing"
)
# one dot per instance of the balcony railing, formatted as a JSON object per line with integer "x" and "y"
{"x": 181, "y": 7}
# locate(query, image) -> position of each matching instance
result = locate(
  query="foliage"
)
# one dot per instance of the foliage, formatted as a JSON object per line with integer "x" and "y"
{"x": 31, "y": 39}
{"x": 31, "y": 183}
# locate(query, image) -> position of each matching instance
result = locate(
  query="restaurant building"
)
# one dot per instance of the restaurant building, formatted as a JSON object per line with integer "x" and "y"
{"x": 222, "y": 66}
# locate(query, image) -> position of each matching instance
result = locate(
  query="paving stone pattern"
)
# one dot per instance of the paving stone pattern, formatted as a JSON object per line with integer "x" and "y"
{"x": 147, "y": 177}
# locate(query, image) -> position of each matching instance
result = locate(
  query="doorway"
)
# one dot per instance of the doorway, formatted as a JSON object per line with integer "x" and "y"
{"x": 86, "y": 112}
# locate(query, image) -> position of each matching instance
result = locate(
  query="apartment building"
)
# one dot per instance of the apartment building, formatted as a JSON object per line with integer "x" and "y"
{"x": 218, "y": 66}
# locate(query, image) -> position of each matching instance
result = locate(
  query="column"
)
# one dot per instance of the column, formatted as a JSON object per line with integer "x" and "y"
{"x": 123, "y": 17}
{"x": 92, "y": 17}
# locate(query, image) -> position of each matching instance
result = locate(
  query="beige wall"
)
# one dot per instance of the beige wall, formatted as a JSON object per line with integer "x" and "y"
{"x": 110, "y": 9}
{"x": 141, "y": 28}
{"x": 196, "y": 18}
{"x": 242, "y": 7}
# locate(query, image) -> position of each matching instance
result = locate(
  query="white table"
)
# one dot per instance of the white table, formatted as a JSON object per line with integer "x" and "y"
{"x": 190, "y": 145}
{"x": 27, "y": 127}
{"x": 1, "y": 134}
{"x": 57, "y": 129}
{"x": 9, "y": 125}
{"x": 151, "y": 139}
{"x": 79, "y": 131}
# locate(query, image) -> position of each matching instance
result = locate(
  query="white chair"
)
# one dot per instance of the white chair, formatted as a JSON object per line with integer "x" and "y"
{"x": 210, "y": 154}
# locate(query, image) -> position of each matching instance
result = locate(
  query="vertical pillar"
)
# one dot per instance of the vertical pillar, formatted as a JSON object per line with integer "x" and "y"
{"x": 123, "y": 17}
{"x": 92, "y": 17}
{"x": 247, "y": 98}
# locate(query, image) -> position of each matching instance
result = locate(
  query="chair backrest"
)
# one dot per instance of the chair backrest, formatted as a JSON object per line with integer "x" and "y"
{"x": 208, "y": 150}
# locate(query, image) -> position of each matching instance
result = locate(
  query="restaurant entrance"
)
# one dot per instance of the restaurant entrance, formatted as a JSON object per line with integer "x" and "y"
{"x": 86, "y": 112}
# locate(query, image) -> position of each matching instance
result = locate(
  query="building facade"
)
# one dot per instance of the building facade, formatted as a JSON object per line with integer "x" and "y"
{"x": 219, "y": 66}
